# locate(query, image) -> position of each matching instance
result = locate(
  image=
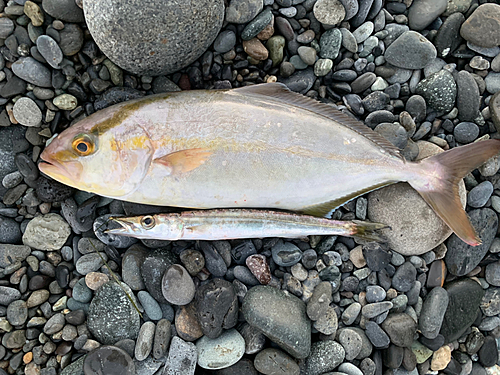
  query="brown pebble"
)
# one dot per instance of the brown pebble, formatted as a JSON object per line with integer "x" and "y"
{"x": 95, "y": 280}
{"x": 28, "y": 357}
{"x": 257, "y": 264}
{"x": 441, "y": 358}
{"x": 268, "y": 31}
{"x": 254, "y": 48}
{"x": 437, "y": 274}
{"x": 186, "y": 323}
{"x": 184, "y": 83}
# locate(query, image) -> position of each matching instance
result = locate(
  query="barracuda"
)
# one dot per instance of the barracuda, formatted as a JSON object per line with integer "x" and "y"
{"x": 259, "y": 146}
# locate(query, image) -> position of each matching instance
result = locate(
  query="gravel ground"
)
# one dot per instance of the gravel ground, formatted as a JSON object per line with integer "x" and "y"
{"x": 425, "y": 74}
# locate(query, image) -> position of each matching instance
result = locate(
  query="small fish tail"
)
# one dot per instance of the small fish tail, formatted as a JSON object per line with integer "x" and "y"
{"x": 439, "y": 187}
{"x": 367, "y": 231}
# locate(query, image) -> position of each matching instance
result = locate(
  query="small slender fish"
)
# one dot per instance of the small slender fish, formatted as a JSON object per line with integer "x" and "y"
{"x": 224, "y": 224}
{"x": 259, "y": 146}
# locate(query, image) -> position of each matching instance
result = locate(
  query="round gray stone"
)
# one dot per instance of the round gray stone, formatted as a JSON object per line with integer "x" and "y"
{"x": 27, "y": 113}
{"x": 410, "y": 51}
{"x": 432, "y": 314}
{"x": 177, "y": 285}
{"x": 423, "y": 12}
{"x": 162, "y": 38}
{"x": 324, "y": 357}
{"x": 64, "y": 10}
{"x": 242, "y": 11}
{"x": 50, "y": 51}
{"x": 221, "y": 352}
{"x": 32, "y": 71}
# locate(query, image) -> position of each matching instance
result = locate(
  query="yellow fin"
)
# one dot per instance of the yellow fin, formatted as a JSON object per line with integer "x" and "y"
{"x": 324, "y": 209}
{"x": 185, "y": 160}
{"x": 282, "y": 93}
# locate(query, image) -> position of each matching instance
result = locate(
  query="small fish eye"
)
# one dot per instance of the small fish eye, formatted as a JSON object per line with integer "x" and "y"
{"x": 148, "y": 222}
{"x": 83, "y": 145}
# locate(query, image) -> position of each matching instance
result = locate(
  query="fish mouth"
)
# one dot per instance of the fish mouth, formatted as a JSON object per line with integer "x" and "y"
{"x": 67, "y": 173}
{"x": 127, "y": 227}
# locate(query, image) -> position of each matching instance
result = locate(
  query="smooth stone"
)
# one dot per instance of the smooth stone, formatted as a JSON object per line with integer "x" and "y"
{"x": 394, "y": 133}
{"x": 187, "y": 324}
{"x": 364, "y": 10}
{"x": 490, "y": 304}
{"x": 54, "y": 324}
{"x": 376, "y": 335}
{"x": 455, "y": 6}
{"x": 492, "y": 81}
{"x": 258, "y": 24}
{"x": 482, "y": 27}
{"x": 6, "y": 27}
{"x": 286, "y": 254}
{"x": 177, "y": 285}
{"x": 295, "y": 338}
{"x": 325, "y": 356}
{"x": 363, "y": 82}
{"x": 225, "y": 41}
{"x": 144, "y": 342}
{"x": 468, "y": 100}
{"x": 349, "y": 369}
{"x": 64, "y": 10}
{"x": 17, "y": 313}
{"x": 351, "y": 8}
{"x": 90, "y": 262}
{"x": 272, "y": 361}
{"x": 433, "y": 311}
{"x": 411, "y": 50}
{"x": 162, "y": 338}
{"x": 46, "y": 232}
{"x": 462, "y": 258}
{"x": 404, "y": 278}
{"x": 152, "y": 270}
{"x": 351, "y": 342}
{"x": 375, "y": 293}
{"x": 240, "y": 11}
{"x": 32, "y": 71}
{"x": 221, "y": 352}
{"x": 109, "y": 360}
{"x": 480, "y": 194}
{"x": 328, "y": 322}
{"x": 320, "y": 300}
{"x": 11, "y": 254}
{"x": 464, "y": 299}
{"x": 131, "y": 267}
{"x": 348, "y": 40}
{"x": 26, "y": 112}
{"x": 151, "y": 307}
{"x": 14, "y": 340}
{"x": 171, "y": 39}
{"x": 72, "y": 39}
{"x": 448, "y": 36}
{"x": 81, "y": 292}
{"x": 216, "y": 306}
{"x": 112, "y": 316}
{"x": 330, "y": 43}
{"x": 50, "y": 51}
{"x": 375, "y": 309}
{"x": 400, "y": 328}
{"x": 423, "y": 12}
{"x": 329, "y": 12}
{"x": 488, "y": 354}
{"x": 182, "y": 358}
{"x": 363, "y": 32}
{"x": 492, "y": 273}
{"x": 65, "y": 102}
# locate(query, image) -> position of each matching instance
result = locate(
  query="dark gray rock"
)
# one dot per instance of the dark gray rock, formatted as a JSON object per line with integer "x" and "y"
{"x": 50, "y": 51}
{"x": 8, "y": 295}
{"x": 464, "y": 298}
{"x": 432, "y": 314}
{"x": 330, "y": 43}
{"x": 490, "y": 304}
{"x": 466, "y": 132}
{"x": 488, "y": 354}
{"x": 405, "y": 277}
{"x": 410, "y": 51}
{"x": 286, "y": 254}
{"x": 482, "y": 27}
{"x": 448, "y": 36}
{"x": 162, "y": 339}
{"x": 394, "y": 133}
{"x": 166, "y": 32}
{"x": 216, "y": 307}
{"x": 461, "y": 258}
{"x": 151, "y": 307}
{"x": 468, "y": 99}
{"x": 10, "y": 232}
{"x": 401, "y": 328}
{"x": 240, "y": 11}
{"x": 479, "y": 195}
{"x": 325, "y": 356}
{"x": 112, "y": 316}
{"x": 320, "y": 300}
{"x": 71, "y": 39}
{"x": 288, "y": 325}
{"x": 225, "y": 41}
{"x": 250, "y": 31}
{"x": 364, "y": 9}
{"x": 376, "y": 335}
{"x": 32, "y": 71}
{"x": 152, "y": 270}
{"x": 177, "y": 285}
{"x": 423, "y": 12}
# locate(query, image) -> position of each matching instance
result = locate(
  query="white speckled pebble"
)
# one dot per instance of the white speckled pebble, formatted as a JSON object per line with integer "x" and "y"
{"x": 222, "y": 352}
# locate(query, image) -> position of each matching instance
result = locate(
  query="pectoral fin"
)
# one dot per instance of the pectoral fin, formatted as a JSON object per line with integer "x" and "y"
{"x": 184, "y": 161}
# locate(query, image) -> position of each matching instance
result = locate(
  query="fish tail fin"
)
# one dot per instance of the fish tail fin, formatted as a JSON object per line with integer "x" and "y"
{"x": 438, "y": 184}
{"x": 367, "y": 231}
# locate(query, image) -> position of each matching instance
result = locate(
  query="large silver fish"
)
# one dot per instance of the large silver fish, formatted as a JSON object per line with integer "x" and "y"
{"x": 223, "y": 224}
{"x": 257, "y": 146}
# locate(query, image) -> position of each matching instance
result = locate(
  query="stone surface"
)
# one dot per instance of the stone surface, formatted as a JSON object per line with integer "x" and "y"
{"x": 325, "y": 356}
{"x": 182, "y": 358}
{"x": 423, "y": 12}
{"x": 109, "y": 360}
{"x": 401, "y": 207}
{"x": 463, "y": 306}
{"x": 329, "y": 12}
{"x": 400, "y": 328}
{"x": 281, "y": 317}
{"x": 439, "y": 91}
{"x": 112, "y": 316}
{"x": 177, "y": 285}
{"x": 241, "y": 11}
{"x": 462, "y": 258}
{"x": 272, "y": 361}
{"x": 221, "y": 352}
{"x": 46, "y": 232}
{"x": 168, "y": 33}
{"x": 410, "y": 51}
{"x": 482, "y": 28}
{"x": 27, "y": 113}
{"x": 433, "y": 311}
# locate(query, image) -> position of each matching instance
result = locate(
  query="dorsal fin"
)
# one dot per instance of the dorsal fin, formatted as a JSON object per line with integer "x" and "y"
{"x": 282, "y": 93}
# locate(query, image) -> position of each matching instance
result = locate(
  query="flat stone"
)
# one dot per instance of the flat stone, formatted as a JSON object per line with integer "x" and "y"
{"x": 240, "y": 11}
{"x": 286, "y": 254}
{"x": 182, "y": 358}
{"x": 482, "y": 28}
{"x": 151, "y": 307}
{"x": 272, "y": 361}
{"x": 464, "y": 298}
{"x": 108, "y": 360}
{"x": 221, "y": 352}
{"x": 112, "y": 316}
{"x": 64, "y": 10}
{"x": 50, "y": 51}
{"x": 328, "y": 322}
{"x": 480, "y": 194}
{"x": 330, "y": 43}
{"x": 144, "y": 342}
{"x": 131, "y": 267}
{"x": 325, "y": 356}
{"x": 294, "y": 337}
{"x": 448, "y": 36}
{"x": 320, "y": 300}
{"x": 400, "y": 328}
{"x": 351, "y": 342}
{"x": 32, "y": 71}
{"x": 162, "y": 338}
{"x": 65, "y": 102}
{"x": 27, "y": 113}
{"x": 152, "y": 270}
{"x": 187, "y": 323}
{"x": 462, "y": 258}
{"x": 351, "y": 8}
{"x": 423, "y": 12}
{"x": 46, "y": 232}
{"x": 166, "y": 32}
{"x": 433, "y": 311}
{"x": 177, "y": 285}
{"x": 11, "y": 254}
{"x": 410, "y": 51}
{"x": 329, "y": 12}
{"x": 401, "y": 207}
{"x": 439, "y": 90}
{"x": 376, "y": 335}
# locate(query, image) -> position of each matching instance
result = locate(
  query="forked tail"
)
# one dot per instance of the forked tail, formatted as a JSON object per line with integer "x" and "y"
{"x": 442, "y": 174}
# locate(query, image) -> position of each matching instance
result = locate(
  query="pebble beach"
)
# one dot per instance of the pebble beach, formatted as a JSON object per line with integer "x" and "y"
{"x": 74, "y": 300}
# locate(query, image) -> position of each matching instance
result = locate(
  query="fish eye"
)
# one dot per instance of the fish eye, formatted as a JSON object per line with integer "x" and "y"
{"x": 148, "y": 222}
{"x": 83, "y": 145}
